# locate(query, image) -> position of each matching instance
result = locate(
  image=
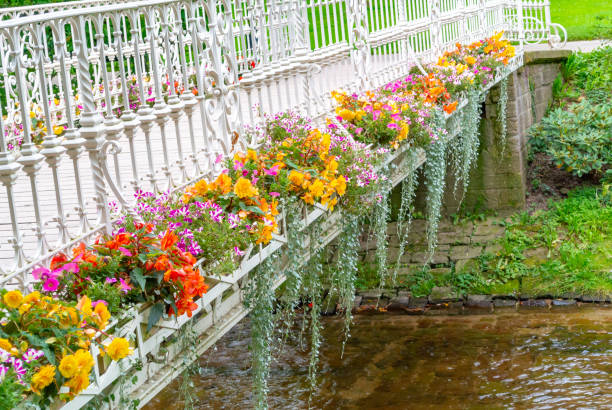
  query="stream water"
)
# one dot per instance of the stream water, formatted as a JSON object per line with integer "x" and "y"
{"x": 534, "y": 359}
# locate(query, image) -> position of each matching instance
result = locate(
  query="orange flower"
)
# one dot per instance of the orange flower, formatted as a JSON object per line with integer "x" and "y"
{"x": 450, "y": 108}
{"x": 224, "y": 183}
{"x": 168, "y": 240}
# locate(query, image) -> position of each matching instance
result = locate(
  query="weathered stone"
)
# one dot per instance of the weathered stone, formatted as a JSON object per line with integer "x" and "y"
{"x": 491, "y": 230}
{"x": 479, "y": 301}
{"x": 329, "y": 305}
{"x": 467, "y": 265}
{"x": 535, "y": 256}
{"x": 370, "y": 294}
{"x": 357, "y": 301}
{"x": 440, "y": 294}
{"x": 504, "y": 302}
{"x": 452, "y": 238}
{"x": 563, "y": 302}
{"x": 465, "y": 252}
{"x": 535, "y": 303}
{"x": 404, "y": 294}
{"x": 439, "y": 272}
{"x": 493, "y": 248}
{"x": 417, "y": 302}
{"x": 595, "y": 298}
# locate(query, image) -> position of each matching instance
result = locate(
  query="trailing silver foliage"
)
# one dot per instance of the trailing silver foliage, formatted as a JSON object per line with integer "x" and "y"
{"x": 345, "y": 272}
{"x": 188, "y": 344}
{"x": 502, "y": 107}
{"x": 404, "y": 216}
{"x": 435, "y": 173}
{"x": 381, "y": 214}
{"x": 259, "y": 297}
{"x": 464, "y": 151}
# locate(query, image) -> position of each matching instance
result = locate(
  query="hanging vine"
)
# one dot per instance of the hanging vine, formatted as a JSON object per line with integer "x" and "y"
{"x": 345, "y": 272}
{"x": 188, "y": 344}
{"x": 502, "y": 106}
{"x": 469, "y": 141}
{"x": 404, "y": 216}
{"x": 293, "y": 272}
{"x": 259, "y": 297}
{"x": 435, "y": 173}
{"x": 381, "y": 214}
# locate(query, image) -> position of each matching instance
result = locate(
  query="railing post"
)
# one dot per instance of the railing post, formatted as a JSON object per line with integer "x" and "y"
{"x": 436, "y": 29}
{"x": 92, "y": 128}
{"x": 359, "y": 41}
{"x": 521, "y": 25}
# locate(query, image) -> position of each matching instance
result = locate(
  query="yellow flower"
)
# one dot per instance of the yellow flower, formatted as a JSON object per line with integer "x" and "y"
{"x": 224, "y": 183}
{"x": 84, "y": 305}
{"x": 332, "y": 166}
{"x": 43, "y": 378}
{"x": 470, "y": 60}
{"x": 346, "y": 115}
{"x": 101, "y": 315}
{"x": 251, "y": 155}
{"x": 69, "y": 366}
{"x": 13, "y": 298}
{"x": 244, "y": 188}
{"x": 78, "y": 383}
{"x": 316, "y": 188}
{"x": 340, "y": 185}
{"x": 58, "y": 129}
{"x": 33, "y": 297}
{"x": 461, "y": 68}
{"x": 5, "y": 344}
{"x": 296, "y": 178}
{"x": 84, "y": 360}
{"x": 118, "y": 348}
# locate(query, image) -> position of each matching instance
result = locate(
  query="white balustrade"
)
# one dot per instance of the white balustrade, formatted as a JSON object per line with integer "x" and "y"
{"x": 102, "y": 98}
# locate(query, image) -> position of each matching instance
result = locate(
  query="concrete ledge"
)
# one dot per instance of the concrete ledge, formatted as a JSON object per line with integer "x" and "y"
{"x": 546, "y": 56}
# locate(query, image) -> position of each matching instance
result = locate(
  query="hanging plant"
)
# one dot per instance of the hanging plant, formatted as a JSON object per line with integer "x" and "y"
{"x": 404, "y": 216}
{"x": 293, "y": 284}
{"x": 464, "y": 151}
{"x": 345, "y": 272}
{"x": 502, "y": 106}
{"x": 259, "y": 297}
{"x": 188, "y": 343}
{"x": 435, "y": 173}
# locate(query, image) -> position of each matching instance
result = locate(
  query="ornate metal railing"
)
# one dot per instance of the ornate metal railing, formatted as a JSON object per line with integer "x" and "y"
{"x": 102, "y": 101}
{"x": 111, "y": 99}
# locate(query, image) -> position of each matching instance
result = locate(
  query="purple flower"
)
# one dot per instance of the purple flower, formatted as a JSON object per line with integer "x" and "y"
{"x": 125, "y": 288}
{"x": 110, "y": 280}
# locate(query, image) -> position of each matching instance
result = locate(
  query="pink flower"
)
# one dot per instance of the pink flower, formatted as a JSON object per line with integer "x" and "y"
{"x": 218, "y": 159}
{"x": 51, "y": 284}
{"x": 274, "y": 194}
{"x": 125, "y": 251}
{"x": 238, "y": 166}
{"x": 110, "y": 280}
{"x": 238, "y": 251}
{"x": 93, "y": 304}
{"x": 272, "y": 171}
{"x": 125, "y": 288}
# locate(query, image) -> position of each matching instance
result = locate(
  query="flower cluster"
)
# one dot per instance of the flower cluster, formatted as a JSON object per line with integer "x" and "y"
{"x": 133, "y": 265}
{"x": 44, "y": 344}
{"x": 400, "y": 110}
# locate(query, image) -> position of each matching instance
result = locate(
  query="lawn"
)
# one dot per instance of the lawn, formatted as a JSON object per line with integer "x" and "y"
{"x": 583, "y": 19}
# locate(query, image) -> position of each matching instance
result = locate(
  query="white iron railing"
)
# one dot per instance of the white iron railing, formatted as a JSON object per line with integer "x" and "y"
{"x": 146, "y": 95}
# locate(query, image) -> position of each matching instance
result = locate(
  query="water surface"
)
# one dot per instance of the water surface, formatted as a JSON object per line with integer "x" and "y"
{"x": 511, "y": 360}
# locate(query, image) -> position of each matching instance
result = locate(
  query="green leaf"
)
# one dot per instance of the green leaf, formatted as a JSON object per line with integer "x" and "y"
{"x": 156, "y": 313}
{"x": 291, "y": 163}
{"x": 137, "y": 276}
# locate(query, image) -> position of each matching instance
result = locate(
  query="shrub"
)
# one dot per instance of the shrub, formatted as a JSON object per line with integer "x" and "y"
{"x": 579, "y": 139}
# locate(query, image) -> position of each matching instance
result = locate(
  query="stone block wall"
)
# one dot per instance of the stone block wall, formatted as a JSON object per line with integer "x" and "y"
{"x": 499, "y": 179}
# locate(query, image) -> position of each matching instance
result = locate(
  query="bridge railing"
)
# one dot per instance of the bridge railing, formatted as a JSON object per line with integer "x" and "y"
{"x": 103, "y": 101}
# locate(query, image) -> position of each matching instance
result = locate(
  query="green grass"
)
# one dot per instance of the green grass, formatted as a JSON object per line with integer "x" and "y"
{"x": 583, "y": 19}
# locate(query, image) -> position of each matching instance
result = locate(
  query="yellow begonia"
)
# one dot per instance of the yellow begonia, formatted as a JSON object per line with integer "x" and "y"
{"x": 13, "y": 298}
{"x": 69, "y": 366}
{"x": 346, "y": 115}
{"x": 78, "y": 383}
{"x": 118, "y": 348}
{"x": 316, "y": 188}
{"x": 5, "y": 344}
{"x": 42, "y": 378}
{"x": 101, "y": 315}
{"x": 84, "y": 360}
{"x": 84, "y": 306}
{"x": 296, "y": 178}
{"x": 244, "y": 188}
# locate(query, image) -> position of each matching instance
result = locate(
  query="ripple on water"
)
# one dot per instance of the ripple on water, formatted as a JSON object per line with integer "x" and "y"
{"x": 510, "y": 360}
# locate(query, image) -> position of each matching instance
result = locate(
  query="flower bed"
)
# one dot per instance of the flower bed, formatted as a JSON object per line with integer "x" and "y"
{"x": 169, "y": 248}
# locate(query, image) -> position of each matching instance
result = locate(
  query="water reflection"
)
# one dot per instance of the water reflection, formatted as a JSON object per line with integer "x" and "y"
{"x": 510, "y": 360}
